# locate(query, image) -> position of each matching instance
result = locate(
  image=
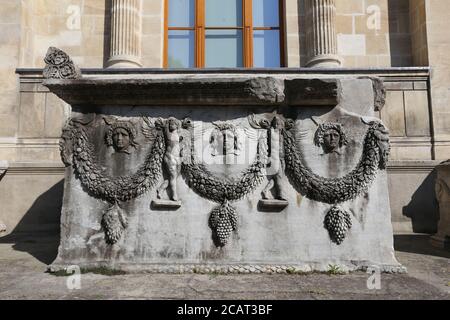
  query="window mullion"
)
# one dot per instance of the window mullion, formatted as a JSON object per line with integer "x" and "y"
{"x": 247, "y": 33}
{"x": 200, "y": 33}
{"x": 166, "y": 34}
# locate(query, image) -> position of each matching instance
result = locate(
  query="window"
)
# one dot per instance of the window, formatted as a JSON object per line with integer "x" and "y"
{"x": 223, "y": 33}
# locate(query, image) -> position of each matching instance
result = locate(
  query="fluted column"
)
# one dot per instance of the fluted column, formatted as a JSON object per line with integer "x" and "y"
{"x": 125, "y": 38}
{"x": 321, "y": 34}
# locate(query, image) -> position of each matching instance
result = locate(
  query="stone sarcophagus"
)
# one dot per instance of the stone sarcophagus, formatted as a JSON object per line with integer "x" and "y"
{"x": 214, "y": 172}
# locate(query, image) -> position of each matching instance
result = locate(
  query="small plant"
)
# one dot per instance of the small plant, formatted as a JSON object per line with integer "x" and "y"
{"x": 334, "y": 269}
{"x": 103, "y": 271}
{"x": 98, "y": 270}
{"x": 61, "y": 273}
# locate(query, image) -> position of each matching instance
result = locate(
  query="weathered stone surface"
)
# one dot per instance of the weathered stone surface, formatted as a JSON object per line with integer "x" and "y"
{"x": 442, "y": 237}
{"x": 3, "y": 168}
{"x": 312, "y": 92}
{"x": 116, "y": 155}
{"x": 181, "y": 91}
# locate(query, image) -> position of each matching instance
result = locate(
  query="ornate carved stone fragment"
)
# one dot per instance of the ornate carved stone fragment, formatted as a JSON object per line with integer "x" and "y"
{"x": 59, "y": 65}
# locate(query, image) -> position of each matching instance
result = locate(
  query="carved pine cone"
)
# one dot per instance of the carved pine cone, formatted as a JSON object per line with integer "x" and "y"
{"x": 223, "y": 221}
{"x": 337, "y": 222}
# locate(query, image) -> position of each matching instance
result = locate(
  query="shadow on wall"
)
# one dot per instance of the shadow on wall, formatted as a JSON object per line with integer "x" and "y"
{"x": 418, "y": 243}
{"x": 399, "y": 33}
{"x": 107, "y": 33}
{"x": 302, "y": 36}
{"x": 423, "y": 208}
{"x": 38, "y": 233}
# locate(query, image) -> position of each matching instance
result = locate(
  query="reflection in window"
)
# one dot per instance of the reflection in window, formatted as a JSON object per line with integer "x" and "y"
{"x": 223, "y": 48}
{"x": 223, "y": 33}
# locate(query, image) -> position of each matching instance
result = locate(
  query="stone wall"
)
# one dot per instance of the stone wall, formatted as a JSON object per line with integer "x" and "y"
{"x": 438, "y": 43}
{"x": 373, "y": 33}
{"x": 10, "y": 41}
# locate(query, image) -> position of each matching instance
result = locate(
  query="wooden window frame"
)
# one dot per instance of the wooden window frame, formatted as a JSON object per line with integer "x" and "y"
{"x": 247, "y": 33}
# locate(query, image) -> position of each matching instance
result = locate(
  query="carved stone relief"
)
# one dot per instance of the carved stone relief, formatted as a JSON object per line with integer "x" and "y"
{"x": 135, "y": 158}
{"x": 224, "y": 140}
{"x": 59, "y": 65}
{"x": 330, "y": 137}
{"x": 172, "y": 155}
{"x": 121, "y": 135}
{"x": 273, "y": 194}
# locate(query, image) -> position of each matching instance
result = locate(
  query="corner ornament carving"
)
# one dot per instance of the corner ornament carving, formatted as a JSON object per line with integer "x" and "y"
{"x": 59, "y": 65}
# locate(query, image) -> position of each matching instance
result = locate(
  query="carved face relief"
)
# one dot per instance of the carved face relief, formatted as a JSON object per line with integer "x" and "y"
{"x": 330, "y": 136}
{"x": 224, "y": 140}
{"x": 173, "y": 124}
{"x": 121, "y": 136}
{"x": 121, "y": 139}
{"x": 331, "y": 140}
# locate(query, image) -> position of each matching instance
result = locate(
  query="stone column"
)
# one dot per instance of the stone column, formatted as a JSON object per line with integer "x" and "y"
{"x": 125, "y": 37}
{"x": 321, "y": 34}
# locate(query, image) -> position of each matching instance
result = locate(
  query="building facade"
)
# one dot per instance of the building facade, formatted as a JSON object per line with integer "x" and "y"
{"x": 403, "y": 42}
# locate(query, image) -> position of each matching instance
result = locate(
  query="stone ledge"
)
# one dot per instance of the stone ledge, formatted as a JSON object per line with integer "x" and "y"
{"x": 37, "y": 72}
{"x": 412, "y": 165}
{"x": 176, "y": 91}
{"x": 17, "y": 168}
{"x": 301, "y": 268}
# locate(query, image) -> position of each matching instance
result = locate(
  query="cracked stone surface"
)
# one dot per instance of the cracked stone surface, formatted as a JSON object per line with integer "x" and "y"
{"x": 23, "y": 261}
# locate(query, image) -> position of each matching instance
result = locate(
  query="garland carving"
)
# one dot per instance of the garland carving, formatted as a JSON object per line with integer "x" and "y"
{"x": 223, "y": 219}
{"x": 77, "y": 150}
{"x": 337, "y": 190}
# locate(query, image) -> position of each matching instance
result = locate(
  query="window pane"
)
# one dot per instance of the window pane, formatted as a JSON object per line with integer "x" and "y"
{"x": 223, "y": 13}
{"x": 181, "y": 13}
{"x": 223, "y": 48}
{"x": 266, "y": 48}
{"x": 265, "y": 13}
{"x": 181, "y": 49}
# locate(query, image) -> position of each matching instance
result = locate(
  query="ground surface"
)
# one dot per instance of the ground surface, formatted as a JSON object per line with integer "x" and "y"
{"x": 23, "y": 261}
